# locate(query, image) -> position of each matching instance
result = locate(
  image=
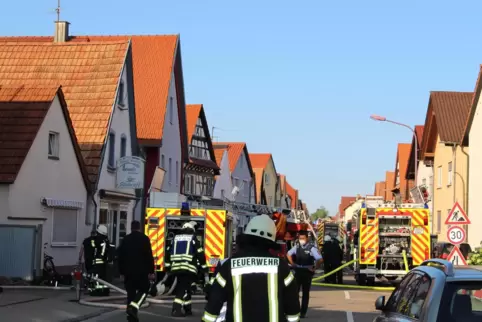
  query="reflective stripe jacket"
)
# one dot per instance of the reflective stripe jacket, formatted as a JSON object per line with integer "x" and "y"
{"x": 185, "y": 254}
{"x": 101, "y": 247}
{"x": 257, "y": 287}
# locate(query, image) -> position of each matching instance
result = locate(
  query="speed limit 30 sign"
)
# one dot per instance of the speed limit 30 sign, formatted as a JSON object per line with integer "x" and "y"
{"x": 456, "y": 235}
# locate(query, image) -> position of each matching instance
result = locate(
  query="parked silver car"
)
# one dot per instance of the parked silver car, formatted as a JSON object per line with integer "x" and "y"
{"x": 435, "y": 291}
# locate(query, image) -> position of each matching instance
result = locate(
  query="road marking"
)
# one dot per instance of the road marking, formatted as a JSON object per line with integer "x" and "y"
{"x": 349, "y": 316}
{"x": 347, "y": 295}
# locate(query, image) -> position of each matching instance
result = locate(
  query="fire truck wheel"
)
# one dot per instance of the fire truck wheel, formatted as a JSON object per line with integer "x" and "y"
{"x": 371, "y": 281}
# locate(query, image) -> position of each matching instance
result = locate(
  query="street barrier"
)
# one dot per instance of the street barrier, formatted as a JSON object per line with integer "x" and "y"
{"x": 362, "y": 287}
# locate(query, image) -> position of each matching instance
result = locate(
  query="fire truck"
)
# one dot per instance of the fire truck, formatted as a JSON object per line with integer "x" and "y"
{"x": 385, "y": 231}
{"x": 329, "y": 228}
{"x": 216, "y": 230}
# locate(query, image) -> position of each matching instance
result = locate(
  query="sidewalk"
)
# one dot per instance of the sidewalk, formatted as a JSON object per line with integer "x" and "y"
{"x": 44, "y": 306}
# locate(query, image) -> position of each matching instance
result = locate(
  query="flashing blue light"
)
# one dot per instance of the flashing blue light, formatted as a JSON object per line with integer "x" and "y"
{"x": 425, "y": 206}
{"x": 363, "y": 205}
{"x": 185, "y": 206}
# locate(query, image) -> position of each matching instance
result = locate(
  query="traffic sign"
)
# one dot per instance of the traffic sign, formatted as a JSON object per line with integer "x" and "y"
{"x": 456, "y": 257}
{"x": 456, "y": 235}
{"x": 457, "y": 216}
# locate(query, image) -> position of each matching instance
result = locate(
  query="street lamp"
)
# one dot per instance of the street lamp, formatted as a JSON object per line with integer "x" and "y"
{"x": 384, "y": 119}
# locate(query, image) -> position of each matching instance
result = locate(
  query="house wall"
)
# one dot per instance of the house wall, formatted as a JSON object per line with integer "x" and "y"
{"x": 425, "y": 177}
{"x": 443, "y": 199}
{"x": 269, "y": 183}
{"x": 41, "y": 177}
{"x": 278, "y": 192}
{"x": 171, "y": 144}
{"x": 241, "y": 174}
{"x": 223, "y": 181}
{"x": 121, "y": 125}
{"x": 475, "y": 178}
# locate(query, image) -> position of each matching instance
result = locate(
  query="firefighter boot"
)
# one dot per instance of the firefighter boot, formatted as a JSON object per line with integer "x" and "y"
{"x": 132, "y": 314}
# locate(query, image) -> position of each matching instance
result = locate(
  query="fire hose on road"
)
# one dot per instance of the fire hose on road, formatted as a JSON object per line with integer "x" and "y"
{"x": 362, "y": 287}
{"x": 101, "y": 301}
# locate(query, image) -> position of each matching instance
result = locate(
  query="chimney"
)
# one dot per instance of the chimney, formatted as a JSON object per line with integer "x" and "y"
{"x": 61, "y": 31}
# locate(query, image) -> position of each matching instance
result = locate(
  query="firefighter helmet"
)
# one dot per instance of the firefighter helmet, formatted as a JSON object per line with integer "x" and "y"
{"x": 102, "y": 229}
{"x": 190, "y": 225}
{"x": 261, "y": 226}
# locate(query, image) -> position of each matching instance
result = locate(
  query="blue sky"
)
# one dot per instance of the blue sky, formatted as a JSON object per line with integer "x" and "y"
{"x": 299, "y": 79}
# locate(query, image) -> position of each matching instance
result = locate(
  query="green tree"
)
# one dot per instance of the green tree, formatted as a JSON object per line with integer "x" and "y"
{"x": 319, "y": 213}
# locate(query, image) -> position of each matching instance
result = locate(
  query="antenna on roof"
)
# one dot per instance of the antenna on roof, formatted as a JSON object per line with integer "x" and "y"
{"x": 58, "y": 10}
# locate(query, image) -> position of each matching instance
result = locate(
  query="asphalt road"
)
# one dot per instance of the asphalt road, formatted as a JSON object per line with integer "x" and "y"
{"x": 326, "y": 304}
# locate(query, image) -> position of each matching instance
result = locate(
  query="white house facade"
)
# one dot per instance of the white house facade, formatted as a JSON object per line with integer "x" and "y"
{"x": 115, "y": 207}
{"x": 473, "y": 132}
{"x": 223, "y": 187}
{"x": 241, "y": 177}
{"x": 45, "y": 202}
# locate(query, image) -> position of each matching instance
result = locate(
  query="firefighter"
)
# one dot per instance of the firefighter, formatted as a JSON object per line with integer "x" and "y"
{"x": 328, "y": 259}
{"x": 338, "y": 262}
{"x": 256, "y": 285}
{"x": 101, "y": 250}
{"x": 88, "y": 253}
{"x": 308, "y": 259}
{"x": 183, "y": 257}
{"x": 136, "y": 264}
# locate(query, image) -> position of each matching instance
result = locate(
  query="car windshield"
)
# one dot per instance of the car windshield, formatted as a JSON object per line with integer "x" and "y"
{"x": 461, "y": 301}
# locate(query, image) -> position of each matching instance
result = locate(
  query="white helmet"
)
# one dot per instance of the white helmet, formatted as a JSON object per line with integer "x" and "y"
{"x": 190, "y": 225}
{"x": 102, "y": 229}
{"x": 261, "y": 226}
{"x": 327, "y": 238}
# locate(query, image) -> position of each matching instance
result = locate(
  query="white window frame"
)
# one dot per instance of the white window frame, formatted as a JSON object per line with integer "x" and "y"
{"x": 171, "y": 109}
{"x": 450, "y": 173}
{"x": 54, "y": 145}
{"x": 439, "y": 177}
{"x": 64, "y": 243}
{"x": 424, "y": 181}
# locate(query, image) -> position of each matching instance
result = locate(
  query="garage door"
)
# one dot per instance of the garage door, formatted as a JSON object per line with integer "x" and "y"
{"x": 17, "y": 245}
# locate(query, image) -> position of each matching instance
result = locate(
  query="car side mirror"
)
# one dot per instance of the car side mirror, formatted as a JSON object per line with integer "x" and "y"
{"x": 380, "y": 303}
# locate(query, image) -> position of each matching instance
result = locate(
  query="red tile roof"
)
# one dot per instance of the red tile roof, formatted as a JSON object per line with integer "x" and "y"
{"x": 259, "y": 160}
{"x": 89, "y": 75}
{"x": 258, "y": 174}
{"x": 451, "y": 111}
{"x": 22, "y": 111}
{"x": 410, "y": 173}
{"x": 403, "y": 154}
{"x": 153, "y": 65}
{"x": 192, "y": 115}
{"x": 291, "y": 192}
{"x": 234, "y": 151}
{"x": 473, "y": 108}
{"x": 380, "y": 189}
{"x": 389, "y": 184}
{"x": 218, "y": 153}
{"x": 345, "y": 202}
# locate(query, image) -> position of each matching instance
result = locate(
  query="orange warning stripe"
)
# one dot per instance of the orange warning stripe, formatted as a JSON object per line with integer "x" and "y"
{"x": 369, "y": 239}
{"x": 215, "y": 232}
{"x": 420, "y": 242}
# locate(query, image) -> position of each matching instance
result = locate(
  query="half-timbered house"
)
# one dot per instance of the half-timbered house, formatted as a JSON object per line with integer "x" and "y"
{"x": 201, "y": 169}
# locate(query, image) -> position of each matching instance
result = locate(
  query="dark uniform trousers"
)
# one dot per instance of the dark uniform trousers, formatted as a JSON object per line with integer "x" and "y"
{"x": 183, "y": 291}
{"x": 137, "y": 287}
{"x": 303, "y": 279}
